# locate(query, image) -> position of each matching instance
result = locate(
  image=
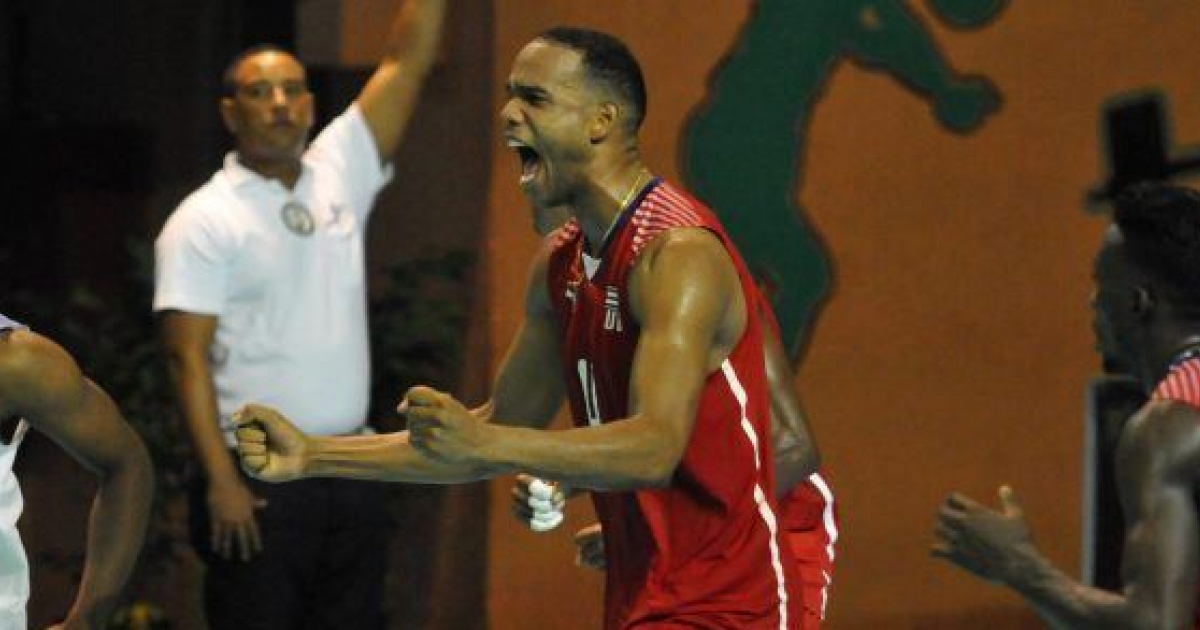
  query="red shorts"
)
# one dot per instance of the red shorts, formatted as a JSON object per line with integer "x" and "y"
{"x": 811, "y": 529}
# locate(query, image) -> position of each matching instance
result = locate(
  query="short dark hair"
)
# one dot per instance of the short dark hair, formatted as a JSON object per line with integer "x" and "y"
{"x": 607, "y": 60}
{"x": 229, "y": 82}
{"x": 1160, "y": 227}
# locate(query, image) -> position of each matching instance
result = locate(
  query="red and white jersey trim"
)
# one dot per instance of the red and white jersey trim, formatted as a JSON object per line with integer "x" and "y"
{"x": 829, "y": 520}
{"x": 1182, "y": 383}
{"x": 760, "y": 496}
{"x": 663, "y": 208}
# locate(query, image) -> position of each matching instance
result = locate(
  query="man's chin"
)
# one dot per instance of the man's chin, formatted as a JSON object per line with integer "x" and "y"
{"x": 275, "y": 153}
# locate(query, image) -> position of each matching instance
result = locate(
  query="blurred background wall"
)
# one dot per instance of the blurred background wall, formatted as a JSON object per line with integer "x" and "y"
{"x": 952, "y": 351}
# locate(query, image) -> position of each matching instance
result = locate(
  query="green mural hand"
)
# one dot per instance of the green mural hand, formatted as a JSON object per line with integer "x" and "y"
{"x": 745, "y": 144}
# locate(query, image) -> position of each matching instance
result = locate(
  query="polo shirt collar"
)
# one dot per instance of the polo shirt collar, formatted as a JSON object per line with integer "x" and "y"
{"x": 238, "y": 175}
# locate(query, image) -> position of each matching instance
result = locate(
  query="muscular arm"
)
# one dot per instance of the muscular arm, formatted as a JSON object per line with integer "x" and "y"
{"x": 390, "y": 96}
{"x": 41, "y": 383}
{"x": 796, "y": 455}
{"x": 1157, "y": 463}
{"x": 528, "y": 389}
{"x": 684, "y": 294}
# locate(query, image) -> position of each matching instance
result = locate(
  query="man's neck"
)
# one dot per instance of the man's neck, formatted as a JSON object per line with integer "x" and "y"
{"x": 286, "y": 172}
{"x": 609, "y": 194}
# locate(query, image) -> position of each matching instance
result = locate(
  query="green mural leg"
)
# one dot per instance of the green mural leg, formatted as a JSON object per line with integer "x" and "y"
{"x": 744, "y": 147}
{"x": 743, "y": 155}
{"x": 781, "y": 250}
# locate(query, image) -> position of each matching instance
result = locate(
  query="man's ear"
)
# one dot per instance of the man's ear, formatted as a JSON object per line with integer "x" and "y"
{"x": 228, "y": 116}
{"x": 603, "y": 121}
{"x": 1143, "y": 301}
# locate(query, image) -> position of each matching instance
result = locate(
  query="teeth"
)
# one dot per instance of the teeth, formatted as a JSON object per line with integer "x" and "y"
{"x": 529, "y": 158}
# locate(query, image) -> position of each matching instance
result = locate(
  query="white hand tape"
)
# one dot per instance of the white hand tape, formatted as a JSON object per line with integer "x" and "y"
{"x": 543, "y": 505}
{"x": 541, "y": 490}
{"x": 545, "y": 521}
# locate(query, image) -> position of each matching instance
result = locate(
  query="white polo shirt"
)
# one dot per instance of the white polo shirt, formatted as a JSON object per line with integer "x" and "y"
{"x": 14, "y": 568}
{"x": 283, "y": 271}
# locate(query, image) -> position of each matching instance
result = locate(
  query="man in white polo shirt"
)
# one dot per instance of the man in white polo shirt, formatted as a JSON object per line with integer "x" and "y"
{"x": 260, "y": 285}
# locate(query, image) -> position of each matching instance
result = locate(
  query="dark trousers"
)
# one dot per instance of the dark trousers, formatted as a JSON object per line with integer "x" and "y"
{"x": 322, "y": 564}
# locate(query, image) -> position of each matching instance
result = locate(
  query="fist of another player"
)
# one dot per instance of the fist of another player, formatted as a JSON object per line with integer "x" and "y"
{"x": 538, "y": 503}
{"x": 269, "y": 446}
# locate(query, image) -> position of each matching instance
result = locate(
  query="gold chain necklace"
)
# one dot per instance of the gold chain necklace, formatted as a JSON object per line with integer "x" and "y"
{"x": 633, "y": 190}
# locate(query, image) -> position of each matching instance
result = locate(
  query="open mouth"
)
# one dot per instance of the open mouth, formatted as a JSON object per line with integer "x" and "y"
{"x": 531, "y": 161}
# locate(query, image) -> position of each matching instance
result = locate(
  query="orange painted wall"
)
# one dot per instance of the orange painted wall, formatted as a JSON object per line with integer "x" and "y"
{"x": 955, "y": 349}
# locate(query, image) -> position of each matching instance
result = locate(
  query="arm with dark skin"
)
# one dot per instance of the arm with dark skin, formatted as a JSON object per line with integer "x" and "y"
{"x": 41, "y": 383}
{"x": 528, "y": 387}
{"x": 1157, "y": 462}
{"x": 390, "y": 95}
{"x": 233, "y": 527}
{"x": 796, "y": 455}
{"x": 795, "y": 450}
{"x": 684, "y": 292}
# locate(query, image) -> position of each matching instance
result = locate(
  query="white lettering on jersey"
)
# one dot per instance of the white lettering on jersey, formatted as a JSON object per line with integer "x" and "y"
{"x": 612, "y": 309}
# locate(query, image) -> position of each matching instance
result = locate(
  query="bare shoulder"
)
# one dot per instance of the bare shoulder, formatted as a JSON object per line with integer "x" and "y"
{"x": 686, "y": 242}
{"x": 1165, "y": 434}
{"x": 33, "y": 367}
{"x": 686, "y": 272}
{"x": 682, "y": 253}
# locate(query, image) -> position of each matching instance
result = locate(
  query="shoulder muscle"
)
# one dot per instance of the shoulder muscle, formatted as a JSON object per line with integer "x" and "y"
{"x": 682, "y": 269}
{"x": 1164, "y": 436}
{"x": 37, "y": 375}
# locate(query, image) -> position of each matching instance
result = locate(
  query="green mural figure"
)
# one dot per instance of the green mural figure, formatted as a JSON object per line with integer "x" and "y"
{"x": 745, "y": 144}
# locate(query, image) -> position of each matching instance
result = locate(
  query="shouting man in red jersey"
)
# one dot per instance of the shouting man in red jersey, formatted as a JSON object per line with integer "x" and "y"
{"x": 653, "y": 323}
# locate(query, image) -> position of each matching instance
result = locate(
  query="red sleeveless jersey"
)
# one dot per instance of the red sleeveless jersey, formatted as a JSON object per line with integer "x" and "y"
{"x": 705, "y": 551}
{"x": 1182, "y": 383}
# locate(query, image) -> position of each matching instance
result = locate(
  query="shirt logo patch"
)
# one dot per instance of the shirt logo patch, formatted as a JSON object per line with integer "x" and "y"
{"x": 297, "y": 218}
{"x": 612, "y": 309}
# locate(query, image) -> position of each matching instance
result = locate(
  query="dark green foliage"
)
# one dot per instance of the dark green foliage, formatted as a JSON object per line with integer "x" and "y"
{"x": 418, "y": 329}
{"x": 418, "y": 332}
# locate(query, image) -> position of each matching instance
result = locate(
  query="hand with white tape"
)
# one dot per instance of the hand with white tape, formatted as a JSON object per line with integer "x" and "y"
{"x": 538, "y": 503}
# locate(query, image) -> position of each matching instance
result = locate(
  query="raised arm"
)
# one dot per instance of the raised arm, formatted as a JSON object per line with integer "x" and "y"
{"x": 1157, "y": 462}
{"x": 41, "y": 383}
{"x": 390, "y": 96}
{"x": 684, "y": 292}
